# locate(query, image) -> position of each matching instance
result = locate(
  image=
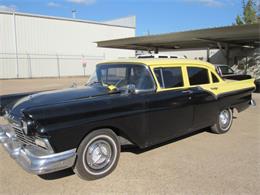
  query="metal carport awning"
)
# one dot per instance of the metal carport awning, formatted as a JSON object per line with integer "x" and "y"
{"x": 247, "y": 36}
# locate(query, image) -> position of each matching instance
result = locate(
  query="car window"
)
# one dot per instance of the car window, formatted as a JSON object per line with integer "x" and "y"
{"x": 158, "y": 74}
{"x": 163, "y": 57}
{"x": 169, "y": 77}
{"x": 225, "y": 70}
{"x": 123, "y": 75}
{"x": 141, "y": 78}
{"x": 198, "y": 76}
{"x": 114, "y": 74}
{"x": 214, "y": 78}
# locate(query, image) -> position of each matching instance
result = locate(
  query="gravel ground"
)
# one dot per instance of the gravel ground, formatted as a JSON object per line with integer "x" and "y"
{"x": 204, "y": 163}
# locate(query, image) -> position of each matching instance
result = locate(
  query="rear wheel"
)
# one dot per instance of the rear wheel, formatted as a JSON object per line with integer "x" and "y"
{"x": 224, "y": 122}
{"x": 98, "y": 155}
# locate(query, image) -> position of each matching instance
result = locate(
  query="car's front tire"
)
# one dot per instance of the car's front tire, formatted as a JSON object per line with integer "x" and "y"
{"x": 97, "y": 155}
{"x": 224, "y": 122}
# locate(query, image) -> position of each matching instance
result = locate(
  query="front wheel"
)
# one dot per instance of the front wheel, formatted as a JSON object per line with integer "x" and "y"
{"x": 224, "y": 122}
{"x": 97, "y": 155}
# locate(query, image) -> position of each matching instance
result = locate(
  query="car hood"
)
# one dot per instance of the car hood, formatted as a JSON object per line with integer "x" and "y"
{"x": 55, "y": 97}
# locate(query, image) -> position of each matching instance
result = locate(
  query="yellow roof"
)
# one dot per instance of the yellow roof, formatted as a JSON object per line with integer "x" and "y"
{"x": 156, "y": 61}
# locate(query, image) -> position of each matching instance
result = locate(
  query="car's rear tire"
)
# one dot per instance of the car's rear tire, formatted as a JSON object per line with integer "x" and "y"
{"x": 224, "y": 122}
{"x": 97, "y": 155}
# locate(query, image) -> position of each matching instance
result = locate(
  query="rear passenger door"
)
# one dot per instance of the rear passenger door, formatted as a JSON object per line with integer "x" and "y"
{"x": 204, "y": 101}
{"x": 170, "y": 110}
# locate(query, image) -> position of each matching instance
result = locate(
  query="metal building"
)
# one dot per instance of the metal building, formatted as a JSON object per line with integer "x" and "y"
{"x": 43, "y": 46}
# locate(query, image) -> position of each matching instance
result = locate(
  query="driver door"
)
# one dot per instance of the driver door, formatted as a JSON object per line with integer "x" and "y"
{"x": 170, "y": 110}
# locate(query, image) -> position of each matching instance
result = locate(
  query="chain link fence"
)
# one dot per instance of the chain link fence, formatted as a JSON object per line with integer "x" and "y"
{"x": 28, "y": 65}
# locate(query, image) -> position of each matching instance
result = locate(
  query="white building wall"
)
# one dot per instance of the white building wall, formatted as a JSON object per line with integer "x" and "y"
{"x": 51, "y": 47}
{"x": 129, "y": 21}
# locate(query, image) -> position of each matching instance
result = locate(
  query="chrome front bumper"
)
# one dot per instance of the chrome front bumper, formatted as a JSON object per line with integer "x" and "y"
{"x": 32, "y": 159}
{"x": 252, "y": 102}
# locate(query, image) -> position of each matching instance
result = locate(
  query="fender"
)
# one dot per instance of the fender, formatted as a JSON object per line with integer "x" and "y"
{"x": 6, "y": 100}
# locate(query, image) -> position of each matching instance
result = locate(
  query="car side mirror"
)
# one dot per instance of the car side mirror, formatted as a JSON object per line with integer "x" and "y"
{"x": 74, "y": 85}
{"x": 130, "y": 89}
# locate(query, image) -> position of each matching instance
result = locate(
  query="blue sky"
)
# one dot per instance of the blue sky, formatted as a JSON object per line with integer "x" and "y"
{"x": 155, "y": 16}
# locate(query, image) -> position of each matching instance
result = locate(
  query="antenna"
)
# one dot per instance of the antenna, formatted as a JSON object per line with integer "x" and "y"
{"x": 73, "y": 13}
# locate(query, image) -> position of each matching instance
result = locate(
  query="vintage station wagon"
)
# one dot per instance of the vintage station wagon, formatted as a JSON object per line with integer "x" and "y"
{"x": 142, "y": 101}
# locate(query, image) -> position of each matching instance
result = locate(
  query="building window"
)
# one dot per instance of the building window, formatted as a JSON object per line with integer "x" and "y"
{"x": 198, "y": 76}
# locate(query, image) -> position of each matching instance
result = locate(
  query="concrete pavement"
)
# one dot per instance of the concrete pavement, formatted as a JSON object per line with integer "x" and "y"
{"x": 204, "y": 163}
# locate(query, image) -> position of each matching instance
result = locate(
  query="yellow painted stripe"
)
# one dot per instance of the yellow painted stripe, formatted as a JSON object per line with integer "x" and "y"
{"x": 223, "y": 86}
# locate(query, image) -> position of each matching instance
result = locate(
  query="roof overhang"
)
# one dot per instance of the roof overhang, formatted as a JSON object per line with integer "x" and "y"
{"x": 247, "y": 36}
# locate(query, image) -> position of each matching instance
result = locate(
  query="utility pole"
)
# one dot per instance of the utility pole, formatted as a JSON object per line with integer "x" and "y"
{"x": 74, "y": 13}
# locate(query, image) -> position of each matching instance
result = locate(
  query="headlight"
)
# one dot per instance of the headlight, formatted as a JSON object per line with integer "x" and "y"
{"x": 27, "y": 126}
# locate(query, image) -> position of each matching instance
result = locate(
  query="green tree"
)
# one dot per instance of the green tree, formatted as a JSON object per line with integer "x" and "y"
{"x": 239, "y": 21}
{"x": 249, "y": 13}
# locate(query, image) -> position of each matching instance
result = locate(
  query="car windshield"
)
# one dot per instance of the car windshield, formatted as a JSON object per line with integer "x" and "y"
{"x": 122, "y": 75}
{"x": 226, "y": 70}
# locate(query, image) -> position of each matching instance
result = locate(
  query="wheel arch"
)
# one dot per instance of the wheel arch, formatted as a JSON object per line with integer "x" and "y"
{"x": 123, "y": 138}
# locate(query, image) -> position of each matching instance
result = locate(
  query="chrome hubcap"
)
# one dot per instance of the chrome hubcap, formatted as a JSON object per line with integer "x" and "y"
{"x": 224, "y": 119}
{"x": 99, "y": 154}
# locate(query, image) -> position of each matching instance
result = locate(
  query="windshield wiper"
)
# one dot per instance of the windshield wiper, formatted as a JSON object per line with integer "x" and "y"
{"x": 95, "y": 82}
{"x": 109, "y": 86}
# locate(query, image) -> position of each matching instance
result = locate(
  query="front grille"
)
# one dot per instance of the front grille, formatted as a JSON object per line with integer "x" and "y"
{"x": 25, "y": 139}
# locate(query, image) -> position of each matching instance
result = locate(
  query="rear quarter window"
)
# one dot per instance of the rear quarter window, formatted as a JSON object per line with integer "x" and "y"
{"x": 198, "y": 76}
{"x": 214, "y": 78}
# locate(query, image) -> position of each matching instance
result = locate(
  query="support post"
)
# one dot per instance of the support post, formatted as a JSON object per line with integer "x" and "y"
{"x": 227, "y": 55}
{"x": 225, "y": 51}
{"x": 15, "y": 45}
{"x": 58, "y": 65}
{"x": 29, "y": 65}
{"x": 246, "y": 66}
{"x": 84, "y": 64}
{"x": 208, "y": 52}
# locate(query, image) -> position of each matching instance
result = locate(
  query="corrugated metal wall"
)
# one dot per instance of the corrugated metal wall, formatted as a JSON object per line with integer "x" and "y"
{"x": 36, "y": 46}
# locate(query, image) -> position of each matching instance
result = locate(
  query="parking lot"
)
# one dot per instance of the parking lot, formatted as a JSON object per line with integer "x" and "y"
{"x": 203, "y": 163}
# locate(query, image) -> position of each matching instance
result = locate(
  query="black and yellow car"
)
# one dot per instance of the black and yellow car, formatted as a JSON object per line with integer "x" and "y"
{"x": 142, "y": 101}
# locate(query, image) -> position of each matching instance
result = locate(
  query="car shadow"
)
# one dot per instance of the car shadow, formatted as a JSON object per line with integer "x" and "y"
{"x": 125, "y": 148}
{"x": 136, "y": 150}
{"x": 57, "y": 175}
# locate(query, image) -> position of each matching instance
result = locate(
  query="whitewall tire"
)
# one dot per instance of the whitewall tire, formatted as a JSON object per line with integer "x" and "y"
{"x": 224, "y": 122}
{"x": 97, "y": 155}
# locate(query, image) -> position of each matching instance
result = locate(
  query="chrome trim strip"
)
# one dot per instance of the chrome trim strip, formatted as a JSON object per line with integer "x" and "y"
{"x": 33, "y": 159}
{"x": 16, "y": 130}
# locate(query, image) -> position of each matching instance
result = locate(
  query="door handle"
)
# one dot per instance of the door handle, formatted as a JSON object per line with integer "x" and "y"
{"x": 187, "y": 92}
{"x": 214, "y": 88}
